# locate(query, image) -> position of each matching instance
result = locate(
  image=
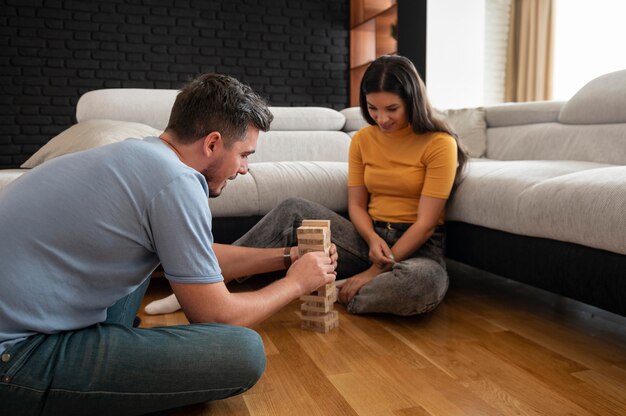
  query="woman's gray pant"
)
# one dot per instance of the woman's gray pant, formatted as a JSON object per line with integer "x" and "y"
{"x": 414, "y": 285}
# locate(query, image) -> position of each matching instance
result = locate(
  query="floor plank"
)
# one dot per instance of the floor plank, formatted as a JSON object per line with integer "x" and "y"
{"x": 494, "y": 347}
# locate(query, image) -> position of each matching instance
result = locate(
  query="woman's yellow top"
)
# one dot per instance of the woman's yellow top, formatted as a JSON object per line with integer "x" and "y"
{"x": 397, "y": 168}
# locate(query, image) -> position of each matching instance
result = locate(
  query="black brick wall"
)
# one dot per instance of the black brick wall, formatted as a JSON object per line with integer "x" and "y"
{"x": 293, "y": 52}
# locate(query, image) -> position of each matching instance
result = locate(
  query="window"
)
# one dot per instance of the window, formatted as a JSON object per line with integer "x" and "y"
{"x": 588, "y": 42}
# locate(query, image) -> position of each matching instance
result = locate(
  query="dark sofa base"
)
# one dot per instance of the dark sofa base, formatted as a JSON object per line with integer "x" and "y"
{"x": 589, "y": 275}
{"x": 228, "y": 229}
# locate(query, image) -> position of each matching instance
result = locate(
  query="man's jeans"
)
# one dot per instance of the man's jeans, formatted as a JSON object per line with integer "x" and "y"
{"x": 415, "y": 285}
{"x": 114, "y": 369}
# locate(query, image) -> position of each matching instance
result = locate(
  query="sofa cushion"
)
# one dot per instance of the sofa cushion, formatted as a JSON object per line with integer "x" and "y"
{"x": 470, "y": 125}
{"x": 600, "y": 143}
{"x": 275, "y": 146}
{"x": 306, "y": 118}
{"x": 539, "y": 198}
{"x": 86, "y": 135}
{"x": 588, "y": 208}
{"x": 153, "y": 107}
{"x": 516, "y": 114}
{"x": 354, "y": 119}
{"x": 139, "y": 105}
{"x": 602, "y": 100}
{"x": 267, "y": 184}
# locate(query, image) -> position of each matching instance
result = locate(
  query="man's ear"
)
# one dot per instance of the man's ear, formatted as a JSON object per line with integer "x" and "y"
{"x": 211, "y": 142}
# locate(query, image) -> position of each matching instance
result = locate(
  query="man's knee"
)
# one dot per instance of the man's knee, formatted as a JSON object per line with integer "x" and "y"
{"x": 235, "y": 356}
{"x": 252, "y": 356}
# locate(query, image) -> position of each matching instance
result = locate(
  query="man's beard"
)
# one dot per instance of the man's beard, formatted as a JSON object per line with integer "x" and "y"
{"x": 209, "y": 174}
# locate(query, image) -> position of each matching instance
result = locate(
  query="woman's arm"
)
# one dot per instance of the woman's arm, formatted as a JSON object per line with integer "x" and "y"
{"x": 358, "y": 198}
{"x": 428, "y": 213}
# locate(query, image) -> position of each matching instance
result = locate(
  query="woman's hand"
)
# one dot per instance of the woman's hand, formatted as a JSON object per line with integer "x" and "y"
{"x": 380, "y": 254}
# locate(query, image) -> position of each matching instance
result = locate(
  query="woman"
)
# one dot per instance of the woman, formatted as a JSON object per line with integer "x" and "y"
{"x": 401, "y": 171}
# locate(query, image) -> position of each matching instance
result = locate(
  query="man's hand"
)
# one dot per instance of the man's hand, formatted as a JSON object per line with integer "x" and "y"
{"x": 313, "y": 270}
{"x": 293, "y": 253}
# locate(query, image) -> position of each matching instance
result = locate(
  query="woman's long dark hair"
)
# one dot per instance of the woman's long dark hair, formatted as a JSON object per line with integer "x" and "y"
{"x": 397, "y": 75}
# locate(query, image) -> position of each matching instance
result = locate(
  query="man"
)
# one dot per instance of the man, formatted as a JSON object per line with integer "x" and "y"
{"x": 81, "y": 235}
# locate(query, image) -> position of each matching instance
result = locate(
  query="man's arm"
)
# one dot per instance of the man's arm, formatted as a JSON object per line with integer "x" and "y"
{"x": 238, "y": 261}
{"x": 213, "y": 302}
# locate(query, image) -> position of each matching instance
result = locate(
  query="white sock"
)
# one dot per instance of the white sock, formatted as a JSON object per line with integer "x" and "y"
{"x": 166, "y": 305}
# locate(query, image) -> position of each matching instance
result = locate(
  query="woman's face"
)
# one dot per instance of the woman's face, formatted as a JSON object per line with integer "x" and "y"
{"x": 388, "y": 110}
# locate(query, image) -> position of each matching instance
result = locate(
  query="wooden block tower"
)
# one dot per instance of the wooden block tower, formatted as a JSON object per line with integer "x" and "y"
{"x": 317, "y": 310}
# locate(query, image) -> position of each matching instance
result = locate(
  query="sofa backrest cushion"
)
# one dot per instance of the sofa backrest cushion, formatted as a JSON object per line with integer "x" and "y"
{"x": 306, "y": 118}
{"x": 147, "y": 106}
{"x": 296, "y": 133}
{"x": 516, "y": 114}
{"x": 602, "y": 100}
{"x": 316, "y": 145}
{"x": 153, "y": 107}
{"x": 354, "y": 119}
{"x": 600, "y": 143}
{"x": 470, "y": 126}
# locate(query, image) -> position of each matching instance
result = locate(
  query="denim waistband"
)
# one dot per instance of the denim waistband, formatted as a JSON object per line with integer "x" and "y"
{"x": 400, "y": 226}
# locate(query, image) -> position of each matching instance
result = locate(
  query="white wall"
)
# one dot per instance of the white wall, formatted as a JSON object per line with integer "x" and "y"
{"x": 454, "y": 52}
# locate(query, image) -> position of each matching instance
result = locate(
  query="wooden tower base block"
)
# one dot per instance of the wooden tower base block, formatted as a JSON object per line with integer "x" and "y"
{"x": 317, "y": 311}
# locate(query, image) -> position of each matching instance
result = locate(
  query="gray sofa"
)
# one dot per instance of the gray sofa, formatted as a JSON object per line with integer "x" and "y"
{"x": 547, "y": 203}
{"x": 543, "y": 200}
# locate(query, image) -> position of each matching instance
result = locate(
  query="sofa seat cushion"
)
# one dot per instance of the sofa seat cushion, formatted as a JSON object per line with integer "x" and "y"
{"x": 268, "y": 184}
{"x": 586, "y": 207}
{"x": 577, "y": 202}
{"x": 9, "y": 175}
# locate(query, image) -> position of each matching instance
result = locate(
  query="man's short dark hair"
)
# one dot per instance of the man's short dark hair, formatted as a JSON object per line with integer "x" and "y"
{"x": 217, "y": 102}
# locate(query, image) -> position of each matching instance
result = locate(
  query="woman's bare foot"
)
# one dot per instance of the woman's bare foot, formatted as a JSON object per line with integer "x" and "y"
{"x": 352, "y": 285}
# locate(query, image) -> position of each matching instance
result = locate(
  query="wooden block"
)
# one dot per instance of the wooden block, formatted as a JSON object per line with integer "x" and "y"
{"x": 323, "y": 307}
{"x": 312, "y": 230}
{"x": 317, "y": 312}
{"x": 326, "y": 289}
{"x": 325, "y": 325}
{"x": 316, "y": 223}
{"x": 313, "y": 239}
{"x": 312, "y": 326}
{"x": 330, "y": 297}
{"x": 326, "y": 318}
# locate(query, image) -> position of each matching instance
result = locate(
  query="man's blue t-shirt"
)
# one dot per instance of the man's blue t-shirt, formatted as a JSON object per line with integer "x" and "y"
{"x": 84, "y": 230}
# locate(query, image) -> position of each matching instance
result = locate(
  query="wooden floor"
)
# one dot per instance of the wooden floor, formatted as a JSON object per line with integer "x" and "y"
{"x": 494, "y": 347}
